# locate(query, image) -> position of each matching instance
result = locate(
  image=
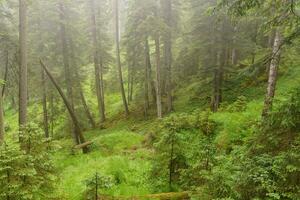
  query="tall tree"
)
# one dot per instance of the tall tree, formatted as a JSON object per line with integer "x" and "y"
{"x": 23, "y": 63}
{"x": 117, "y": 37}
{"x": 2, "y": 130}
{"x": 97, "y": 64}
{"x": 67, "y": 71}
{"x": 158, "y": 77}
{"x": 167, "y": 15}
{"x": 273, "y": 73}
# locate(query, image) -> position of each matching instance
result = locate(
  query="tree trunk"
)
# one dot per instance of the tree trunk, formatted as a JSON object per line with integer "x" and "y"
{"x": 23, "y": 63}
{"x": 78, "y": 132}
{"x": 79, "y": 87}
{"x": 98, "y": 71}
{"x": 158, "y": 81}
{"x": 234, "y": 50}
{"x": 167, "y": 7}
{"x": 216, "y": 99}
{"x": 52, "y": 113}
{"x": 5, "y": 74}
{"x": 2, "y": 129}
{"x": 43, "y": 83}
{"x": 119, "y": 58}
{"x": 44, "y": 102}
{"x": 272, "y": 74}
{"x": 146, "y": 81}
{"x": 65, "y": 52}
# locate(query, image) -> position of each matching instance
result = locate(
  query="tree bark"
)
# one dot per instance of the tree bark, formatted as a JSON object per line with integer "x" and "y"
{"x": 23, "y": 63}
{"x": 78, "y": 131}
{"x": 158, "y": 81}
{"x": 272, "y": 74}
{"x": 97, "y": 65}
{"x": 65, "y": 52}
{"x": 119, "y": 57}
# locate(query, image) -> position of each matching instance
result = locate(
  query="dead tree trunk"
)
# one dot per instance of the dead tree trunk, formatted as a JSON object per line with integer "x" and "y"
{"x": 119, "y": 58}
{"x": 272, "y": 74}
{"x": 77, "y": 130}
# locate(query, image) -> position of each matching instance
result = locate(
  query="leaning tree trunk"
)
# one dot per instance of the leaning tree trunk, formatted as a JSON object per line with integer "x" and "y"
{"x": 65, "y": 52}
{"x": 23, "y": 63}
{"x": 98, "y": 70}
{"x": 78, "y": 131}
{"x": 272, "y": 74}
{"x": 158, "y": 81}
{"x": 119, "y": 58}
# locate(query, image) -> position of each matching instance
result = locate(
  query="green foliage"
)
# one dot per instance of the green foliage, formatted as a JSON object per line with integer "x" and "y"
{"x": 96, "y": 183}
{"x": 26, "y": 169}
{"x": 184, "y": 151}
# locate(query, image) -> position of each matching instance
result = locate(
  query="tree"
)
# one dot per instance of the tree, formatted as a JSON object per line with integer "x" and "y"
{"x": 67, "y": 71}
{"x": 2, "y": 129}
{"x": 167, "y": 12}
{"x": 273, "y": 73}
{"x": 23, "y": 63}
{"x": 97, "y": 65}
{"x": 117, "y": 37}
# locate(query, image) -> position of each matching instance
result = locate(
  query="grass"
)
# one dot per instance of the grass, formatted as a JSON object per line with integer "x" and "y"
{"x": 116, "y": 152}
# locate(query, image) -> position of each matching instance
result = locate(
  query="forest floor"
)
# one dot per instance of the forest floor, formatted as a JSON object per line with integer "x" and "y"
{"x": 116, "y": 151}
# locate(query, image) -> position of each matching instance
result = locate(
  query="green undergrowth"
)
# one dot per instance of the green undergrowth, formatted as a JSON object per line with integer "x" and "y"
{"x": 115, "y": 152}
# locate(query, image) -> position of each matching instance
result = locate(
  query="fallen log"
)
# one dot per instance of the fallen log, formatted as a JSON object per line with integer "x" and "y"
{"x": 161, "y": 196}
{"x": 83, "y": 145}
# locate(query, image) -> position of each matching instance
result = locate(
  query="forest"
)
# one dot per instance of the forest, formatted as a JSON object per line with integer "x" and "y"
{"x": 149, "y": 99}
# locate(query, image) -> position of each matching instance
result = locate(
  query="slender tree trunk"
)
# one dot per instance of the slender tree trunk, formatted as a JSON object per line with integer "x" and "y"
{"x": 52, "y": 113}
{"x": 44, "y": 102}
{"x": 23, "y": 63}
{"x": 78, "y": 131}
{"x": 2, "y": 129}
{"x": 5, "y": 74}
{"x": 216, "y": 99}
{"x": 119, "y": 58}
{"x": 151, "y": 84}
{"x": 234, "y": 50}
{"x": 65, "y": 52}
{"x": 167, "y": 7}
{"x": 97, "y": 65}
{"x": 272, "y": 74}
{"x": 158, "y": 81}
{"x": 79, "y": 87}
{"x": 43, "y": 84}
{"x": 146, "y": 81}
